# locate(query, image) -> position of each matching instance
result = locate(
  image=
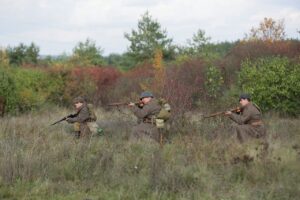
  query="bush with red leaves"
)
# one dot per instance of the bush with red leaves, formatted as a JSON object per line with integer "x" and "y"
{"x": 94, "y": 82}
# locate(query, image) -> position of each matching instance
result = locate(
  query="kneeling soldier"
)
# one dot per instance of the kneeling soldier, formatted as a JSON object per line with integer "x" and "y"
{"x": 146, "y": 112}
{"x": 249, "y": 123}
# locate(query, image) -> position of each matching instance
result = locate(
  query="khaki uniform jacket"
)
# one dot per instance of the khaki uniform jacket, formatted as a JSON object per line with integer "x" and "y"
{"x": 250, "y": 114}
{"x": 82, "y": 117}
{"x": 249, "y": 123}
{"x": 148, "y": 111}
{"x": 146, "y": 119}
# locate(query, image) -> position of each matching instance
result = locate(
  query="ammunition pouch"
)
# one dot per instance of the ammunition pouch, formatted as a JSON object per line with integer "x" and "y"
{"x": 160, "y": 123}
{"x": 76, "y": 127}
{"x": 149, "y": 120}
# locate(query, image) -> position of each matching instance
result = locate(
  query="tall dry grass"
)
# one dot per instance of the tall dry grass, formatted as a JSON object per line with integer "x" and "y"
{"x": 198, "y": 161}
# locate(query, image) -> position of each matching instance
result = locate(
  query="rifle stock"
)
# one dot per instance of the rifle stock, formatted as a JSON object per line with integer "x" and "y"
{"x": 222, "y": 113}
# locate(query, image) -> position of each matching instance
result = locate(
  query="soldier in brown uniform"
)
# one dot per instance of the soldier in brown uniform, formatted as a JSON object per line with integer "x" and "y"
{"x": 146, "y": 113}
{"x": 249, "y": 123}
{"x": 81, "y": 118}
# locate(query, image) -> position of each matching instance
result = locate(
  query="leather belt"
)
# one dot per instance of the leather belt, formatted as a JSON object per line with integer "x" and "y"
{"x": 257, "y": 123}
{"x": 149, "y": 121}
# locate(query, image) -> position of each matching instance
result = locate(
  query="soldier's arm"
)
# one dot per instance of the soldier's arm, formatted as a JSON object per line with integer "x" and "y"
{"x": 240, "y": 119}
{"x": 82, "y": 116}
{"x": 141, "y": 112}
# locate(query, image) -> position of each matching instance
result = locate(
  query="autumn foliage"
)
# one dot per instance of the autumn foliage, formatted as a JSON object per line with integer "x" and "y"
{"x": 193, "y": 83}
{"x": 268, "y": 30}
{"x": 93, "y": 82}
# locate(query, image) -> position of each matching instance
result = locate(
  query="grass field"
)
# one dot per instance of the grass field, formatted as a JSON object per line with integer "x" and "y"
{"x": 200, "y": 160}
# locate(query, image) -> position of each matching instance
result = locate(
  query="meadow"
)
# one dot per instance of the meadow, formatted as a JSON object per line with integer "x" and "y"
{"x": 199, "y": 160}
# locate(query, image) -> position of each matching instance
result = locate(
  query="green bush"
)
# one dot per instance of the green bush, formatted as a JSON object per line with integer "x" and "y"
{"x": 274, "y": 83}
{"x": 8, "y": 89}
{"x": 213, "y": 82}
{"x": 33, "y": 87}
{"x": 28, "y": 88}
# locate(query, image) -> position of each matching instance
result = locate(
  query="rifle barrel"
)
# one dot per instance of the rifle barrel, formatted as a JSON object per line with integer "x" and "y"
{"x": 122, "y": 104}
{"x": 63, "y": 119}
{"x": 222, "y": 113}
{"x": 117, "y": 104}
{"x": 214, "y": 114}
{"x": 58, "y": 121}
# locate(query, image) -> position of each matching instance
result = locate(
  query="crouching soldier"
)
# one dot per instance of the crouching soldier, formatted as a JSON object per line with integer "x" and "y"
{"x": 82, "y": 118}
{"x": 152, "y": 114}
{"x": 146, "y": 113}
{"x": 249, "y": 123}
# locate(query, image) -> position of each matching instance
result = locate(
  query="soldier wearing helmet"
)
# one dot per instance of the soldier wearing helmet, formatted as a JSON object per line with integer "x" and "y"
{"x": 81, "y": 119}
{"x": 146, "y": 113}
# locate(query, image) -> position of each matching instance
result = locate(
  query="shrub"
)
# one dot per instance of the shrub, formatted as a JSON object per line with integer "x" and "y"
{"x": 213, "y": 82}
{"x": 59, "y": 76}
{"x": 26, "y": 88}
{"x": 8, "y": 89}
{"x": 184, "y": 84}
{"x": 253, "y": 50}
{"x": 274, "y": 83}
{"x": 130, "y": 84}
{"x": 33, "y": 87}
{"x": 93, "y": 82}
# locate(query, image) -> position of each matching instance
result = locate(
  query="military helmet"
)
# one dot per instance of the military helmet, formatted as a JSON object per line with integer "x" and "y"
{"x": 245, "y": 96}
{"x": 146, "y": 94}
{"x": 78, "y": 100}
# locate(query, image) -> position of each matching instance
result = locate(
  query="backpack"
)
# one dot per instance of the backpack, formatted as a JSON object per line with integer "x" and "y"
{"x": 93, "y": 126}
{"x": 93, "y": 116}
{"x": 164, "y": 113}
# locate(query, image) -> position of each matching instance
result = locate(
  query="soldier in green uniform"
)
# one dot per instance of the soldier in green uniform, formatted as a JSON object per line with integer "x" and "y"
{"x": 249, "y": 123}
{"x": 146, "y": 113}
{"x": 81, "y": 119}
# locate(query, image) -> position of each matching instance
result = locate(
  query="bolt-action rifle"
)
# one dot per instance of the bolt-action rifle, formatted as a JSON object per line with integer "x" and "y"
{"x": 123, "y": 104}
{"x": 235, "y": 110}
{"x": 63, "y": 119}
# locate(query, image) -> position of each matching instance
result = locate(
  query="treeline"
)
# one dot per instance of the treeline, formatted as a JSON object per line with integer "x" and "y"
{"x": 197, "y": 75}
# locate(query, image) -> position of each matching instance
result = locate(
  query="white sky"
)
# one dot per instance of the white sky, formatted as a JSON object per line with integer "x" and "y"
{"x": 56, "y": 26}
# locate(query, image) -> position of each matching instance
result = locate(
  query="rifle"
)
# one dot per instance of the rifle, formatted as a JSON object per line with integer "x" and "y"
{"x": 236, "y": 110}
{"x": 63, "y": 119}
{"x": 123, "y": 104}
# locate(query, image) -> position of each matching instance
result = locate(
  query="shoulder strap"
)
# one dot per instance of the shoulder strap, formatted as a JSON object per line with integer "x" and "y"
{"x": 257, "y": 107}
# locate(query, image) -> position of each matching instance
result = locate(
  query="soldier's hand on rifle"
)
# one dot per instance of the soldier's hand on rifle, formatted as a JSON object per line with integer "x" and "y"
{"x": 131, "y": 104}
{"x": 140, "y": 104}
{"x": 228, "y": 113}
{"x": 68, "y": 119}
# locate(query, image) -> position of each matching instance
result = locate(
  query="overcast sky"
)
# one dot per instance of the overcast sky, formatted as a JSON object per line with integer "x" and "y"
{"x": 57, "y": 25}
